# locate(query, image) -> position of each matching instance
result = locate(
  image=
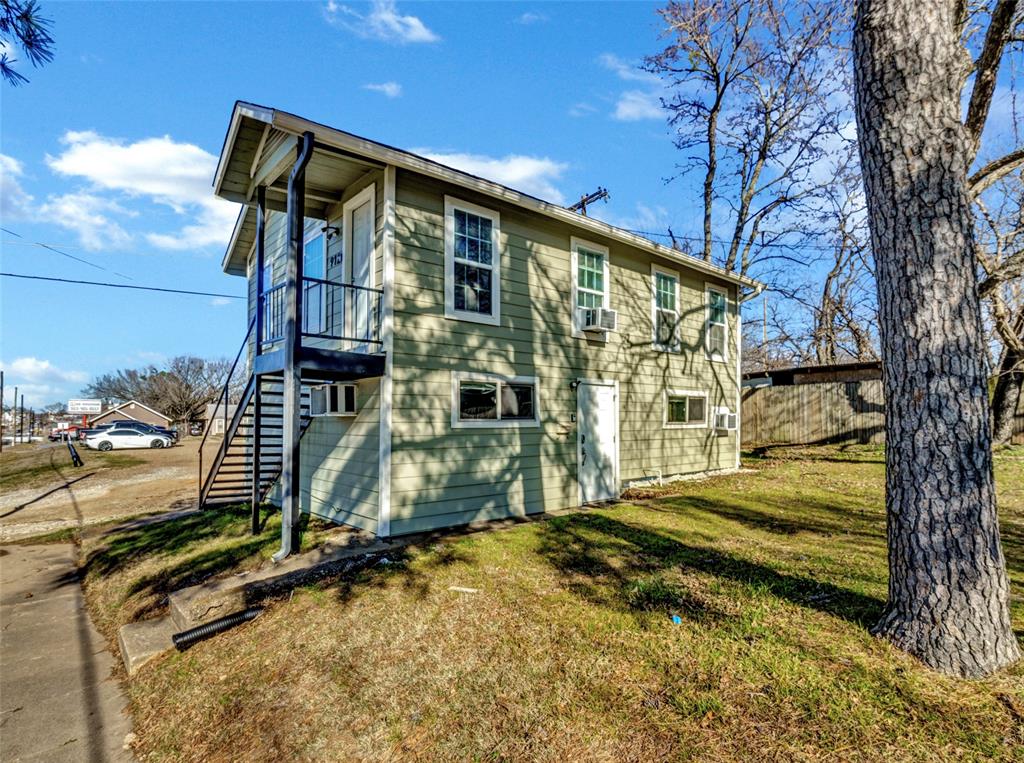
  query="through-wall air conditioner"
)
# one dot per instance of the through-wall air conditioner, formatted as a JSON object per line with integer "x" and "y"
{"x": 598, "y": 319}
{"x": 725, "y": 419}
{"x": 332, "y": 400}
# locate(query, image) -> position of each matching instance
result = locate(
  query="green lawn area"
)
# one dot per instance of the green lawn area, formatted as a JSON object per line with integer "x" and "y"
{"x": 27, "y": 466}
{"x": 568, "y": 650}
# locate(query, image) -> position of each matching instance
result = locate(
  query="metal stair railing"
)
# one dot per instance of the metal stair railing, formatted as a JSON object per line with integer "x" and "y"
{"x": 223, "y": 400}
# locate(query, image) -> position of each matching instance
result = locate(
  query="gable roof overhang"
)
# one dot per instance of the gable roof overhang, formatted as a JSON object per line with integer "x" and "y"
{"x": 119, "y": 409}
{"x": 252, "y": 147}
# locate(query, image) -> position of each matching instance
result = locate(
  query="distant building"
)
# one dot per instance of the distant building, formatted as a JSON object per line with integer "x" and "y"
{"x": 132, "y": 410}
{"x": 841, "y": 372}
{"x": 214, "y": 418}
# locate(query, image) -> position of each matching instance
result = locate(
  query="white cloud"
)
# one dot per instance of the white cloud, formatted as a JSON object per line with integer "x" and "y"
{"x": 90, "y": 216}
{"x": 635, "y": 105}
{"x": 652, "y": 219}
{"x": 581, "y": 110}
{"x": 390, "y": 89}
{"x": 529, "y": 174}
{"x": 383, "y": 22}
{"x": 15, "y": 203}
{"x": 42, "y": 382}
{"x": 531, "y": 17}
{"x": 625, "y": 70}
{"x": 162, "y": 170}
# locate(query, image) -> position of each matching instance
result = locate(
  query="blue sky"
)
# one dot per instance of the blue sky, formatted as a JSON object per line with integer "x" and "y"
{"x": 108, "y": 153}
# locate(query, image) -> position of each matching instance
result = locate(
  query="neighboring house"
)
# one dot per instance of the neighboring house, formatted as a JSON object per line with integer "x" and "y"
{"x": 864, "y": 370}
{"x": 132, "y": 410}
{"x": 431, "y": 349}
{"x": 215, "y": 417}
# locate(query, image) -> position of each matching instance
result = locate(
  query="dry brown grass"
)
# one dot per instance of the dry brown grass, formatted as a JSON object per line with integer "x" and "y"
{"x": 568, "y": 650}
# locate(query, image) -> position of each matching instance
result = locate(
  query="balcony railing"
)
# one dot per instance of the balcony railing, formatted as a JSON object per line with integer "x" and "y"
{"x": 335, "y": 312}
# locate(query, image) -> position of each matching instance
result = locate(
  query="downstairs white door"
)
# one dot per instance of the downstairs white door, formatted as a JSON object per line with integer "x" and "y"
{"x": 597, "y": 427}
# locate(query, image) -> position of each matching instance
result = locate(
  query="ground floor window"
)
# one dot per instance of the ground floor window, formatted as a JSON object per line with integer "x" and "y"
{"x": 489, "y": 400}
{"x": 684, "y": 408}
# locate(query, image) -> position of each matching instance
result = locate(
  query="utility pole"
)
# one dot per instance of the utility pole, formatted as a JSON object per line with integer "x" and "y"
{"x": 764, "y": 330}
{"x": 14, "y": 417}
{"x": 21, "y": 419}
{"x": 581, "y": 205}
{"x": 1, "y": 411}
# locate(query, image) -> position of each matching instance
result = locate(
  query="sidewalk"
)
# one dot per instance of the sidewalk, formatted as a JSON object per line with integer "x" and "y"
{"x": 58, "y": 701}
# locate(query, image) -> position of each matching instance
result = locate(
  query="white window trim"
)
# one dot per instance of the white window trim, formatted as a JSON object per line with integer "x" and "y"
{"x": 574, "y": 246}
{"x": 676, "y": 346}
{"x": 450, "y": 205}
{"x": 724, "y": 357}
{"x": 464, "y": 376}
{"x": 666, "y": 424}
{"x": 367, "y": 194}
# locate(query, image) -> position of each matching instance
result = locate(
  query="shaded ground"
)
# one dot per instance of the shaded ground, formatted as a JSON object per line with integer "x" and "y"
{"x": 58, "y": 700}
{"x": 40, "y": 491}
{"x": 565, "y": 646}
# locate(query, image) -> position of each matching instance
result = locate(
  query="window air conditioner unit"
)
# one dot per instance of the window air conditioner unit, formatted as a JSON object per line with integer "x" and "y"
{"x": 599, "y": 319}
{"x": 725, "y": 420}
{"x": 333, "y": 400}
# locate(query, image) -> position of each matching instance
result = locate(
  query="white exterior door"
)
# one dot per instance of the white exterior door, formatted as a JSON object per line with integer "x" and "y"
{"x": 597, "y": 426}
{"x": 360, "y": 267}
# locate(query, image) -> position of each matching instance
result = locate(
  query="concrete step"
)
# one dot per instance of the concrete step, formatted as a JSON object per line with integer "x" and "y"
{"x": 141, "y": 642}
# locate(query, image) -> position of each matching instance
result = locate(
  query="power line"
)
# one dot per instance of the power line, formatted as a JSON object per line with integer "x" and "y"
{"x": 121, "y": 286}
{"x": 69, "y": 256}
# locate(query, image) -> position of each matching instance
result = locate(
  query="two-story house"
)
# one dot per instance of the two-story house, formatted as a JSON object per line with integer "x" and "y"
{"x": 428, "y": 348}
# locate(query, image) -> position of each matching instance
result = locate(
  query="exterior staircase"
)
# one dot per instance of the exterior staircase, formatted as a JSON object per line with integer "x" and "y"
{"x": 229, "y": 479}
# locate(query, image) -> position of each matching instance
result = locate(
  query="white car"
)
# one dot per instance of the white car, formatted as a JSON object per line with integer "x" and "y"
{"x": 117, "y": 438}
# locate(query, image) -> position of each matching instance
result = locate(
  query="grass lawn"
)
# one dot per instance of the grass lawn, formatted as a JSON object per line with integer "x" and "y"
{"x": 568, "y": 649}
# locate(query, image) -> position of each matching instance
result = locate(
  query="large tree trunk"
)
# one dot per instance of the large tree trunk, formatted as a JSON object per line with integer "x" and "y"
{"x": 948, "y": 589}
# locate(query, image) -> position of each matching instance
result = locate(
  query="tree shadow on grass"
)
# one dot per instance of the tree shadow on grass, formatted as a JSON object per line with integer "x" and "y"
{"x": 604, "y": 559}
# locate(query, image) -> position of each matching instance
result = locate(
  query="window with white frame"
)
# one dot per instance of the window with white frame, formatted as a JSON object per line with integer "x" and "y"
{"x": 589, "y": 280}
{"x": 665, "y": 308}
{"x": 716, "y": 331}
{"x": 685, "y": 408}
{"x": 314, "y": 264}
{"x": 472, "y": 262}
{"x": 490, "y": 400}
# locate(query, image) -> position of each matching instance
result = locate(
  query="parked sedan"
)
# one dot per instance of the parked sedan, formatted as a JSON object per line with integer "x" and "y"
{"x": 117, "y": 438}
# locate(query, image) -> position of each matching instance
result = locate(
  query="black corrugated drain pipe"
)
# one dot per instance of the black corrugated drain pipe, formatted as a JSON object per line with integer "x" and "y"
{"x": 185, "y": 639}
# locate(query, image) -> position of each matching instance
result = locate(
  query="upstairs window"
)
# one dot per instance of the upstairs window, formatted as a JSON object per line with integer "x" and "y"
{"x": 487, "y": 400}
{"x": 589, "y": 281}
{"x": 684, "y": 409}
{"x": 665, "y": 309}
{"x": 716, "y": 331}
{"x": 313, "y": 267}
{"x": 472, "y": 262}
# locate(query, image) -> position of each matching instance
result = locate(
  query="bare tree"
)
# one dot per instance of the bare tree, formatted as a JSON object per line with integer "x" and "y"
{"x": 948, "y": 598}
{"x": 181, "y": 388}
{"x": 757, "y": 105}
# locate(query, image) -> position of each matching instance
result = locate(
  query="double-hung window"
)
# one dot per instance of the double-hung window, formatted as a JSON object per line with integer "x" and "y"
{"x": 665, "y": 309}
{"x": 472, "y": 262}
{"x": 314, "y": 263}
{"x": 490, "y": 400}
{"x": 685, "y": 409}
{"x": 716, "y": 332}
{"x": 589, "y": 263}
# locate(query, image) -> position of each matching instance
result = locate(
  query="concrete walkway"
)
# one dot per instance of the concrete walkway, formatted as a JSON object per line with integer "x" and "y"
{"x": 58, "y": 701}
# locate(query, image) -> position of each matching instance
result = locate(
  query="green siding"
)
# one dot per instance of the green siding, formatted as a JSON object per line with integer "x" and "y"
{"x": 443, "y": 476}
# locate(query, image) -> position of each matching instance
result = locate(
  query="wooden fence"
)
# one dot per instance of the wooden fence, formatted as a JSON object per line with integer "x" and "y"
{"x": 822, "y": 413}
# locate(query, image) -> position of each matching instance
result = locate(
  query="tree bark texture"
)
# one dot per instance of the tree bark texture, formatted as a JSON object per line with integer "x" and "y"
{"x": 948, "y": 590}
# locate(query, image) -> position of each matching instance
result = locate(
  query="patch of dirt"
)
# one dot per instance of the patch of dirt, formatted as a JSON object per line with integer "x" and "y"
{"x": 164, "y": 480}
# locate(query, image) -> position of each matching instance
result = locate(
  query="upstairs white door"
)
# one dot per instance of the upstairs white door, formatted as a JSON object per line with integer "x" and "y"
{"x": 597, "y": 425}
{"x": 361, "y": 303}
